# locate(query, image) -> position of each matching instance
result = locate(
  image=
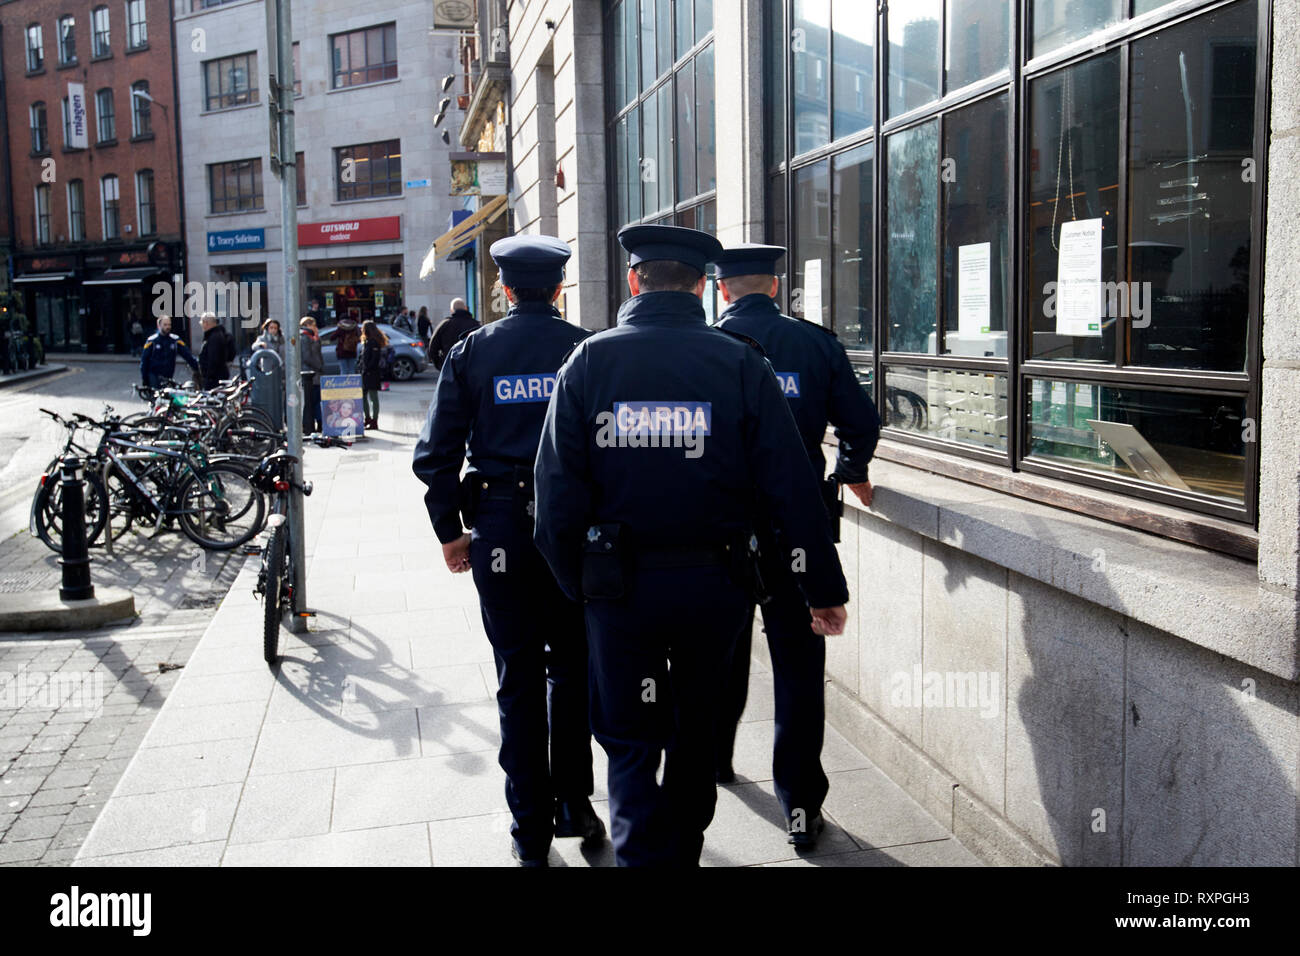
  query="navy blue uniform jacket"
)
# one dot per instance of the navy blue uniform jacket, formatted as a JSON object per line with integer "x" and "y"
{"x": 817, "y": 379}
{"x": 489, "y": 405}
{"x": 662, "y": 354}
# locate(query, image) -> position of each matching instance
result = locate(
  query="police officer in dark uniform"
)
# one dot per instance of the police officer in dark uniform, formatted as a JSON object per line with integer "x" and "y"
{"x": 663, "y": 439}
{"x": 158, "y": 357}
{"x": 818, "y": 382}
{"x": 488, "y": 407}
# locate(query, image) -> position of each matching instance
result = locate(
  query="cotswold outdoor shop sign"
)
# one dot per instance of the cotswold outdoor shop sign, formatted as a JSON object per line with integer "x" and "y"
{"x": 381, "y": 229}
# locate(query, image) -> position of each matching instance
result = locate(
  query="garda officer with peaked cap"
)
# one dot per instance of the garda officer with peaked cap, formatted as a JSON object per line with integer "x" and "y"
{"x": 662, "y": 438}
{"x": 488, "y": 407}
{"x": 819, "y": 384}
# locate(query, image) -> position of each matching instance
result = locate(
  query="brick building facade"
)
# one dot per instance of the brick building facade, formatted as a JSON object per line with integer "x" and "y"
{"x": 95, "y": 191}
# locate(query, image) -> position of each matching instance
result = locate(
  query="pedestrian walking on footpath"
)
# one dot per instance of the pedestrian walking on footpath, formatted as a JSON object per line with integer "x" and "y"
{"x": 159, "y": 353}
{"x": 271, "y": 338}
{"x": 666, "y": 443}
{"x": 313, "y": 364}
{"x": 459, "y": 323}
{"x": 424, "y": 326}
{"x": 488, "y": 407}
{"x": 346, "y": 342}
{"x": 137, "y": 335}
{"x": 371, "y": 360}
{"x": 818, "y": 383}
{"x": 216, "y": 353}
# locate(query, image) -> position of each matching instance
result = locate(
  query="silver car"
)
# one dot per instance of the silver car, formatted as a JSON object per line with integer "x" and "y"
{"x": 411, "y": 353}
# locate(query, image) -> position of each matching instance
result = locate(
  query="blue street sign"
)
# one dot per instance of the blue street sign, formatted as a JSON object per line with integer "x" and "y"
{"x": 416, "y": 183}
{"x": 230, "y": 240}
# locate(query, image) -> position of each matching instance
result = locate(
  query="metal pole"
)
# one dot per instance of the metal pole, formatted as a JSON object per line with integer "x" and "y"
{"x": 76, "y": 552}
{"x": 283, "y": 57}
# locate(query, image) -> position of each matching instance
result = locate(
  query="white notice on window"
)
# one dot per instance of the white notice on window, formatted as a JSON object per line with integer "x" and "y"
{"x": 1078, "y": 279}
{"x": 973, "y": 290}
{"x": 812, "y": 292}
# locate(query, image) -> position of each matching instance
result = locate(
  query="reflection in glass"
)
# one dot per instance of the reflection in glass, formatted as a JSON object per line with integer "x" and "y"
{"x": 633, "y": 74}
{"x": 618, "y": 58}
{"x": 648, "y": 71}
{"x": 686, "y": 115}
{"x": 1193, "y": 106}
{"x": 811, "y": 262}
{"x": 955, "y": 405}
{"x": 664, "y": 36}
{"x": 912, "y": 208}
{"x": 1145, "y": 6}
{"x": 913, "y": 54}
{"x": 774, "y": 90}
{"x": 634, "y": 207}
{"x": 976, "y": 45}
{"x": 851, "y": 242}
{"x": 777, "y": 236}
{"x": 665, "y": 152}
{"x": 706, "y": 157}
{"x": 975, "y": 216}
{"x": 650, "y": 160}
{"x": 809, "y": 44}
{"x": 703, "y": 18}
{"x": 1073, "y": 175}
{"x": 685, "y": 33}
{"x": 1058, "y": 22}
{"x": 623, "y": 180}
{"x": 1173, "y": 440}
{"x": 854, "y": 66}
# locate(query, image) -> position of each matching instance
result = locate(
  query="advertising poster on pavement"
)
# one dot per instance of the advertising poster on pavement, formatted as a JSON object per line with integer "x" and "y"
{"x": 340, "y": 399}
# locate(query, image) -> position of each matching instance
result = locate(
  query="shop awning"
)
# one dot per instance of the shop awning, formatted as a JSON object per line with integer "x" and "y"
{"x": 462, "y": 234}
{"x": 44, "y": 277}
{"x": 121, "y": 277}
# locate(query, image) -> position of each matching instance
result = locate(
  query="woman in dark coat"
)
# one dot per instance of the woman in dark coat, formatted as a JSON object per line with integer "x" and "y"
{"x": 373, "y": 345}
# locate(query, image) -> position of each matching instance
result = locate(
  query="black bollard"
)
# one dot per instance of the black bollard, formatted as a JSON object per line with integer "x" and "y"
{"x": 76, "y": 553}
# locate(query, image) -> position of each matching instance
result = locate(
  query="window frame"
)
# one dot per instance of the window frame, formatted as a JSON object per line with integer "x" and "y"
{"x": 394, "y": 182}
{"x": 101, "y": 40}
{"x": 251, "y": 95}
{"x": 42, "y": 220}
{"x": 113, "y": 204}
{"x": 137, "y": 30}
{"x": 146, "y": 212}
{"x": 257, "y": 194}
{"x": 1018, "y": 366}
{"x": 336, "y": 71}
{"x": 141, "y": 111}
{"x": 101, "y": 113}
{"x": 35, "y": 61}
{"x": 67, "y": 44}
{"x": 76, "y": 210}
{"x": 40, "y": 130}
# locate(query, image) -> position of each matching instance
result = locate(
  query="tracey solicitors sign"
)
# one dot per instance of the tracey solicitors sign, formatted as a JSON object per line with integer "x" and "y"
{"x": 381, "y": 229}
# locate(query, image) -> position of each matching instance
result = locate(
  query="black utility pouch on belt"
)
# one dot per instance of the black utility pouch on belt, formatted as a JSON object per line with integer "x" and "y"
{"x": 604, "y": 560}
{"x": 747, "y": 569}
{"x": 524, "y": 507}
{"x": 833, "y": 498}
{"x": 471, "y": 486}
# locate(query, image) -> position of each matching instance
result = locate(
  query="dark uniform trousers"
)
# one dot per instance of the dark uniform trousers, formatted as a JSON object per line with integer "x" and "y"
{"x": 659, "y": 655}
{"x": 536, "y": 633}
{"x": 798, "y": 675}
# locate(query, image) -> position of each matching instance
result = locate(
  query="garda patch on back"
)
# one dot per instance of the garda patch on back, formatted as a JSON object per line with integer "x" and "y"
{"x": 789, "y": 383}
{"x": 656, "y": 425}
{"x": 530, "y": 387}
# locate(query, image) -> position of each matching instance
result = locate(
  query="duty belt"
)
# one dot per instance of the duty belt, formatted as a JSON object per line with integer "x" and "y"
{"x": 698, "y": 556}
{"x": 504, "y": 488}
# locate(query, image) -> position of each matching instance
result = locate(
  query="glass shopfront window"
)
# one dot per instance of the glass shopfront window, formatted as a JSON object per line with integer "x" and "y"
{"x": 1048, "y": 263}
{"x": 661, "y": 126}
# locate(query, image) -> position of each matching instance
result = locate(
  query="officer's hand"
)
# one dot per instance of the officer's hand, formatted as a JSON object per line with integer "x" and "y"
{"x": 864, "y": 491}
{"x": 456, "y": 554}
{"x": 829, "y": 620}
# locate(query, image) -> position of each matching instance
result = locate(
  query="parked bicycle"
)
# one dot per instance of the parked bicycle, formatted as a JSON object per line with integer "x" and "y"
{"x": 275, "y": 579}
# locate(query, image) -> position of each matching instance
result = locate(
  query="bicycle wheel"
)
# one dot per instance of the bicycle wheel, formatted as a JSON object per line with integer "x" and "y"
{"x": 126, "y": 506}
{"x": 219, "y": 508}
{"x": 248, "y": 438}
{"x": 275, "y": 568}
{"x": 47, "y": 511}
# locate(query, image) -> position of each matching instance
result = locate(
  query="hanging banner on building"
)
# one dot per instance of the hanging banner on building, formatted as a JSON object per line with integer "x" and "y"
{"x": 381, "y": 229}
{"x": 78, "y": 126}
{"x": 453, "y": 15}
{"x": 1078, "y": 279}
{"x": 477, "y": 174}
{"x": 340, "y": 400}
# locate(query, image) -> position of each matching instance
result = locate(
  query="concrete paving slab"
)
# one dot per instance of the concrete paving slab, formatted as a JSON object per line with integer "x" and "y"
{"x": 281, "y": 806}
{"x": 417, "y": 791}
{"x": 315, "y": 742}
{"x": 157, "y": 820}
{"x": 382, "y": 846}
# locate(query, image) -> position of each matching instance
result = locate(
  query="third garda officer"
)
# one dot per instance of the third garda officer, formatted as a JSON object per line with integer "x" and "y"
{"x": 663, "y": 440}
{"x": 819, "y": 384}
{"x": 489, "y": 406}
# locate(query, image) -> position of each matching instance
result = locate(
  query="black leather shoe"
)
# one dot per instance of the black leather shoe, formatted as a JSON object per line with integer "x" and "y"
{"x": 576, "y": 818}
{"x": 725, "y": 774}
{"x": 526, "y": 860}
{"x": 805, "y": 837}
